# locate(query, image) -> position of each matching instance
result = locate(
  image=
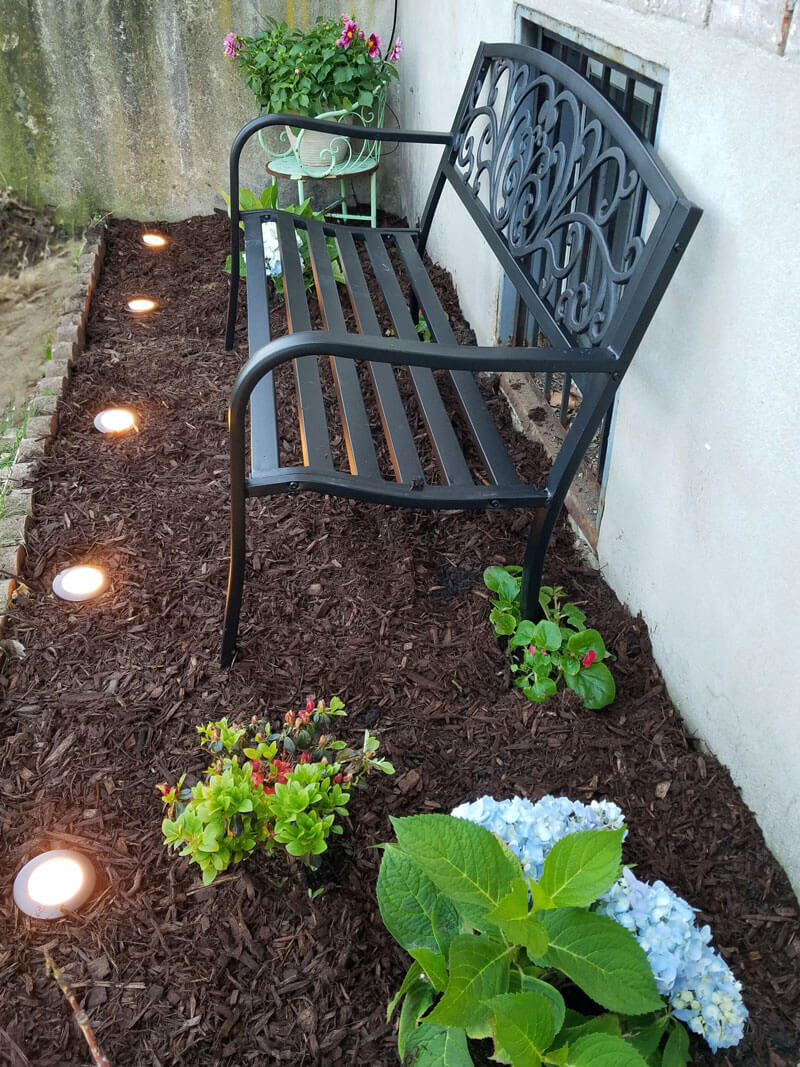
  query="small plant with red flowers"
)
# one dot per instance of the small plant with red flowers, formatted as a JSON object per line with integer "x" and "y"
{"x": 335, "y": 64}
{"x": 269, "y": 787}
{"x": 558, "y": 646}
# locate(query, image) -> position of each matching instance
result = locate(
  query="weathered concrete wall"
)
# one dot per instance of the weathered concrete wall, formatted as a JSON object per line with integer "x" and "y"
{"x": 703, "y": 498}
{"x": 129, "y": 106}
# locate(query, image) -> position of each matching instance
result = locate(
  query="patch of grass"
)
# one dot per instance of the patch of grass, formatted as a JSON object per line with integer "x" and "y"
{"x": 13, "y": 425}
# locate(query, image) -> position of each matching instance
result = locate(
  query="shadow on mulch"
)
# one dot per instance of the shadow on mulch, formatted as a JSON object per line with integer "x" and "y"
{"x": 385, "y": 608}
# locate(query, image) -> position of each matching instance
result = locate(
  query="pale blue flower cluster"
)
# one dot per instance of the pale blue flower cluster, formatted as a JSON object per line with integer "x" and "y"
{"x": 272, "y": 249}
{"x": 694, "y": 978}
{"x": 699, "y": 985}
{"x": 531, "y": 830}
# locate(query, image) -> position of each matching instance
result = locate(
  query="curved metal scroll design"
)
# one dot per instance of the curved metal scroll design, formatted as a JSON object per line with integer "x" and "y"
{"x": 556, "y": 188}
{"x": 311, "y": 154}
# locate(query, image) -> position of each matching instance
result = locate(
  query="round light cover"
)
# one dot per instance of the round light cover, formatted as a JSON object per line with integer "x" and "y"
{"x": 141, "y": 304}
{"x": 79, "y": 583}
{"x": 114, "y": 420}
{"x": 153, "y": 240}
{"x": 53, "y": 884}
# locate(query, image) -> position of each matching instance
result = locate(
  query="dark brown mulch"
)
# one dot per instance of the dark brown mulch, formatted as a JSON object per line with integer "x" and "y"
{"x": 384, "y": 608}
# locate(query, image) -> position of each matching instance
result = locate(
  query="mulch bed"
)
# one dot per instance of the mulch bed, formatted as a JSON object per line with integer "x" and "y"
{"x": 385, "y": 608}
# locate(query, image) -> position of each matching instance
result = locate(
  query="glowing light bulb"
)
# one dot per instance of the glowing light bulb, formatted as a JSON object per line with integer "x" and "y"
{"x": 79, "y": 583}
{"x": 154, "y": 240}
{"x": 55, "y": 881}
{"x": 52, "y": 883}
{"x": 141, "y": 305}
{"x": 114, "y": 420}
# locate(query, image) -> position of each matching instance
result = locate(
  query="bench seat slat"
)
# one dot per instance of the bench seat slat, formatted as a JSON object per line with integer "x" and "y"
{"x": 355, "y": 423}
{"x": 313, "y": 423}
{"x": 400, "y": 440}
{"x": 263, "y": 423}
{"x": 437, "y": 421}
{"x": 484, "y": 431}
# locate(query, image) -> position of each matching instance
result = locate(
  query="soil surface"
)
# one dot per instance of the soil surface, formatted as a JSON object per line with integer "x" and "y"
{"x": 385, "y": 608}
{"x": 36, "y": 275}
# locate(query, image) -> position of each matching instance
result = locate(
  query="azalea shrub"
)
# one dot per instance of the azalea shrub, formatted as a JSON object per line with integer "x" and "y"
{"x": 524, "y": 928}
{"x": 268, "y": 787}
{"x": 559, "y": 647}
{"x": 334, "y": 65}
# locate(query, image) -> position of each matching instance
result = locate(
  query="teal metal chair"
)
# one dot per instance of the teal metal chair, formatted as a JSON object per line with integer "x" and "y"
{"x": 306, "y": 155}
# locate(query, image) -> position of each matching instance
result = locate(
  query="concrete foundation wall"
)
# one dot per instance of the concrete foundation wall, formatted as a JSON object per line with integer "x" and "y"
{"x": 702, "y": 509}
{"x": 130, "y": 106}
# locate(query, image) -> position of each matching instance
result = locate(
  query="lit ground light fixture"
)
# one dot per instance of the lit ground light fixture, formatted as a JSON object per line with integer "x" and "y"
{"x": 79, "y": 583}
{"x": 153, "y": 240}
{"x": 54, "y": 883}
{"x": 141, "y": 305}
{"x": 115, "y": 420}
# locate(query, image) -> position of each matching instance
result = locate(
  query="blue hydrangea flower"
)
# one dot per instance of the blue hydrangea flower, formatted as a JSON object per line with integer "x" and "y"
{"x": 696, "y": 981}
{"x": 531, "y": 830}
{"x": 694, "y": 978}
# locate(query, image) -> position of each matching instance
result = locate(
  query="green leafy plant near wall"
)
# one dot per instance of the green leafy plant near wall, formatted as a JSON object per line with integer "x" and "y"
{"x": 557, "y": 648}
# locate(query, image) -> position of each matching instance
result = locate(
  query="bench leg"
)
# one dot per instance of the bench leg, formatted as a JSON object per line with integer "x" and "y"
{"x": 533, "y": 561}
{"x": 235, "y": 578}
{"x": 233, "y": 297}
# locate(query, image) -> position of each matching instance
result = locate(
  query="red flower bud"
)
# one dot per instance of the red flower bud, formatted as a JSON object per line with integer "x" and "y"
{"x": 305, "y": 757}
{"x": 309, "y": 704}
{"x": 338, "y": 778}
{"x": 254, "y": 720}
{"x": 215, "y": 734}
{"x": 589, "y": 658}
{"x": 163, "y": 789}
{"x": 289, "y": 718}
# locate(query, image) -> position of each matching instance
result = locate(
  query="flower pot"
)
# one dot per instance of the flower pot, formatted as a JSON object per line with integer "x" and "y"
{"x": 316, "y": 149}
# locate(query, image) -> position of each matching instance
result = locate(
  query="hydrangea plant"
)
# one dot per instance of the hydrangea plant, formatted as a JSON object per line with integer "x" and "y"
{"x": 698, "y": 984}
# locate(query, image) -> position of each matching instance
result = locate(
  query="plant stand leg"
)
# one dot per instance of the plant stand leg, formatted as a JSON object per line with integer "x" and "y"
{"x": 343, "y": 191}
{"x": 373, "y": 199}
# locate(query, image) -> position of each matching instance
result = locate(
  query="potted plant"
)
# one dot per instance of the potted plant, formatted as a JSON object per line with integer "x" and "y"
{"x": 333, "y": 67}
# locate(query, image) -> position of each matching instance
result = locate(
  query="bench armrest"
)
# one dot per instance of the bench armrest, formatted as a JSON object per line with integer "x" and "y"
{"x": 398, "y": 352}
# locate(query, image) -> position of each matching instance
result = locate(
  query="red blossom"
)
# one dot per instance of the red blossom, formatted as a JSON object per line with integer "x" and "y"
{"x": 589, "y": 658}
{"x": 338, "y": 778}
{"x": 257, "y": 778}
{"x": 305, "y": 757}
{"x": 309, "y": 704}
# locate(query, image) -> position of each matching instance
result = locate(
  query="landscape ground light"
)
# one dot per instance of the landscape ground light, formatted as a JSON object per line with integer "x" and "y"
{"x": 79, "y": 583}
{"x": 114, "y": 420}
{"x": 54, "y": 883}
{"x": 139, "y": 305}
{"x": 153, "y": 240}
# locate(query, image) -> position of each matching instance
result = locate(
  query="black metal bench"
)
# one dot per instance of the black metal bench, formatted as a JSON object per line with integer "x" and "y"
{"x": 559, "y": 188}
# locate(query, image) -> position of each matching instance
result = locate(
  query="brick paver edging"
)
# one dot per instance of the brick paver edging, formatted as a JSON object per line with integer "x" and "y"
{"x": 18, "y": 502}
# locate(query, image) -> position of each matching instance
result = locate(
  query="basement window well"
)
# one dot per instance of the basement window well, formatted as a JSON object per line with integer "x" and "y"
{"x": 635, "y": 87}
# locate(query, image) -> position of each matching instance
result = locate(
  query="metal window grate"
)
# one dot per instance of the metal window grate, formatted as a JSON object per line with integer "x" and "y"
{"x": 638, "y": 98}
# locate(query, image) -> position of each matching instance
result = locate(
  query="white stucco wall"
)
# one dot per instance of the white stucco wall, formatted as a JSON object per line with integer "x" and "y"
{"x": 702, "y": 516}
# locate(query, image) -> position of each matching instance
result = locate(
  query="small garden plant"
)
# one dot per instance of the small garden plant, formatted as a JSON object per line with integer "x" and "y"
{"x": 544, "y": 956}
{"x": 268, "y": 199}
{"x": 334, "y": 65}
{"x": 557, "y": 647}
{"x": 268, "y": 787}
